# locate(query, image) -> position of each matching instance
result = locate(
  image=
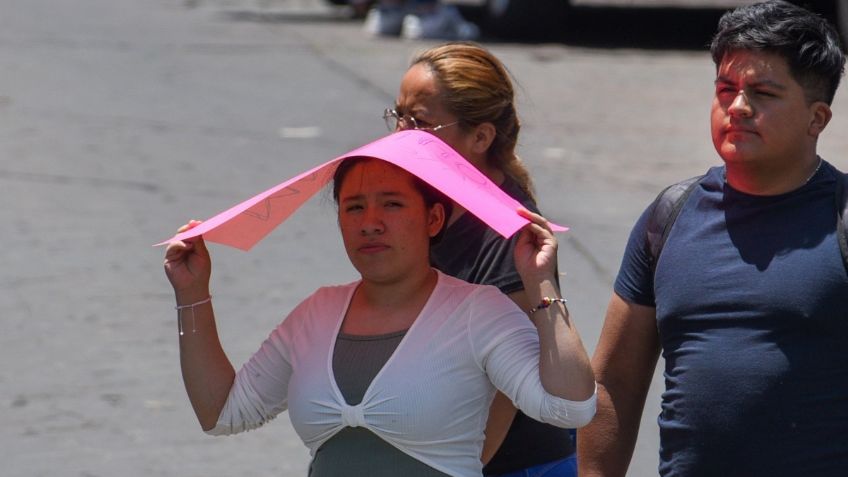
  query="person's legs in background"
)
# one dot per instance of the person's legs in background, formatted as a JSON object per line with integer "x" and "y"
{"x": 386, "y": 18}
{"x": 433, "y": 20}
{"x": 419, "y": 19}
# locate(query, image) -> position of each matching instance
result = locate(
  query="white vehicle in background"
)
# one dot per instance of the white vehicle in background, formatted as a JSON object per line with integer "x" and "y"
{"x": 505, "y": 16}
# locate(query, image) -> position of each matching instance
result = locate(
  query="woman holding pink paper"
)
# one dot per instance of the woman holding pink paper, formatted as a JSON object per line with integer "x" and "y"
{"x": 462, "y": 93}
{"x": 392, "y": 374}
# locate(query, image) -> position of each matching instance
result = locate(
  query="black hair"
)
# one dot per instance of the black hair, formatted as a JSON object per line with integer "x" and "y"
{"x": 808, "y": 43}
{"x": 430, "y": 194}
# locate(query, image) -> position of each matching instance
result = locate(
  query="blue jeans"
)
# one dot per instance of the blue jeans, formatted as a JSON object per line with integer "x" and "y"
{"x": 559, "y": 468}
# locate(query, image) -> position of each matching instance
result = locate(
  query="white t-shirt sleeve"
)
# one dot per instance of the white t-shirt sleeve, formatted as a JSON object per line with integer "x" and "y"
{"x": 506, "y": 346}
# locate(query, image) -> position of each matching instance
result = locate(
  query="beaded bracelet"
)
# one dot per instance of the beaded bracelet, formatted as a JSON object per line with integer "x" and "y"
{"x": 546, "y": 302}
{"x": 180, "y": 308}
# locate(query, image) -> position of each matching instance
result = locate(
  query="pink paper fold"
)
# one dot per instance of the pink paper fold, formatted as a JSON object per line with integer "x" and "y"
{"x": 418, "y": 152}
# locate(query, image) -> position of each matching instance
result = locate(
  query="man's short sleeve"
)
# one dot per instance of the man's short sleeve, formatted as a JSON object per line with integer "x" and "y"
{"x": 635, "y": 280}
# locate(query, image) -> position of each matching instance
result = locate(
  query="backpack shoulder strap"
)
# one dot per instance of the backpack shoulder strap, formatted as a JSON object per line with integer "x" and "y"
{"x": 842, "y": 216}
{"x": 664, "y": 212}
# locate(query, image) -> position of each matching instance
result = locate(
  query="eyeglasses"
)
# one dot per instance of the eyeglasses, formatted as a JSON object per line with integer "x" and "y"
{"x": 396, "y": 122}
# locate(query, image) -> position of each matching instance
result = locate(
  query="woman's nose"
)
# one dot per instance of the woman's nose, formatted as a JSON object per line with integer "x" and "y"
{"x": 372, "y": 222}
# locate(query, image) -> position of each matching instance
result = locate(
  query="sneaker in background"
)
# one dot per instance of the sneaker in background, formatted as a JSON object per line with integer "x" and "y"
{"x": 385, "y": 20}
{"x": 443, "y": 23}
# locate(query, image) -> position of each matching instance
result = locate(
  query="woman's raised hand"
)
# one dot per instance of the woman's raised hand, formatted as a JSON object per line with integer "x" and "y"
{"x": 188, "y": 266}
{"x": 536, "y": 249}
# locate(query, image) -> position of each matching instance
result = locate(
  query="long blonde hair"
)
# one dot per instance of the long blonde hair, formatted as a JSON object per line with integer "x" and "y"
{"x": 476, "y": 87}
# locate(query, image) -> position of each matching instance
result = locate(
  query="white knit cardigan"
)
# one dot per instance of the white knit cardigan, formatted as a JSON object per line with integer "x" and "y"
{"x": 431, "y": 398}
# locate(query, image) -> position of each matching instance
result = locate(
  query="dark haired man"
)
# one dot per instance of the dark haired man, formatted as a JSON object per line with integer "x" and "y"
{"x": 748, "y": 301}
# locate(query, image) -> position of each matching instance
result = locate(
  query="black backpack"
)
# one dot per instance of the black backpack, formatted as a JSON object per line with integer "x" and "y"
{"x": 669, "y": 202}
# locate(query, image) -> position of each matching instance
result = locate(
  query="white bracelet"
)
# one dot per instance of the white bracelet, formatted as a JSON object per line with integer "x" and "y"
{"x": 192, "y": 305}
{"x": 180, "y": 308}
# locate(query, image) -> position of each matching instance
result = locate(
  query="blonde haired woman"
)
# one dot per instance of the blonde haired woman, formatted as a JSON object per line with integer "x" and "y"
{"x": 463, "y": 94}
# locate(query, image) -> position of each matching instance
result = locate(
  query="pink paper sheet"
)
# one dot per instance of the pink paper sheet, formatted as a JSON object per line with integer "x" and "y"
{"x": 420, "y": 153}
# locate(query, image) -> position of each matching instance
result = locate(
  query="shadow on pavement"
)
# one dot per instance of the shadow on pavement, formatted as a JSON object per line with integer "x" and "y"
{"x": 592, "y": 27}
{"x": 641, "y": 28}
{"x": 335, "y": 15}
{"x": 651, "y": 28}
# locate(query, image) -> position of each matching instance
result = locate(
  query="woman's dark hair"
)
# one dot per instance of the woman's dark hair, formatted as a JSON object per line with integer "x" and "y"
{"x": 808, "y": 43}
{"x": 430, "y": 194}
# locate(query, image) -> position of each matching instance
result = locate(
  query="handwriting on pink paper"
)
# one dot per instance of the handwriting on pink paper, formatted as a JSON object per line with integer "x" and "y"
{"x": 418, "y": 152}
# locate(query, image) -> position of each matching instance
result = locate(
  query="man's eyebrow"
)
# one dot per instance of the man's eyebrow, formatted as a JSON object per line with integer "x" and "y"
{"x": 765, "y": 82}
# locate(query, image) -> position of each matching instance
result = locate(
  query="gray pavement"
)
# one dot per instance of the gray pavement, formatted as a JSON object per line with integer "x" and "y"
{"x": 121, "y": 119}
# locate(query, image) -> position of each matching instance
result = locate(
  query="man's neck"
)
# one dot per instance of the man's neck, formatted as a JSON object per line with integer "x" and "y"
{"x": 755, "y": 179}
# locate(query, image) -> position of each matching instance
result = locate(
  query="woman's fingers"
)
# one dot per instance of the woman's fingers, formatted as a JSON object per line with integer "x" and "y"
{"x": 538, "y": 225}
{"x": 533, "y": 217}
{"x": 190, "y": 225}
{"x": 179, "y": 249}
{"x": 174, "y": 249}
{"x": 199, "y": 246}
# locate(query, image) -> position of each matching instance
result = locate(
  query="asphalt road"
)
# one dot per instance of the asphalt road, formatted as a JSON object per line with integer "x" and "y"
{"x": 120, "y": 120}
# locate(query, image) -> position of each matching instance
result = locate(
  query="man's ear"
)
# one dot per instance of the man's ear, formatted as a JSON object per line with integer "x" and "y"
{"x": 821, "y": 114}
{"x": 436, "y": 219}
{"x": 483, "y": 137}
